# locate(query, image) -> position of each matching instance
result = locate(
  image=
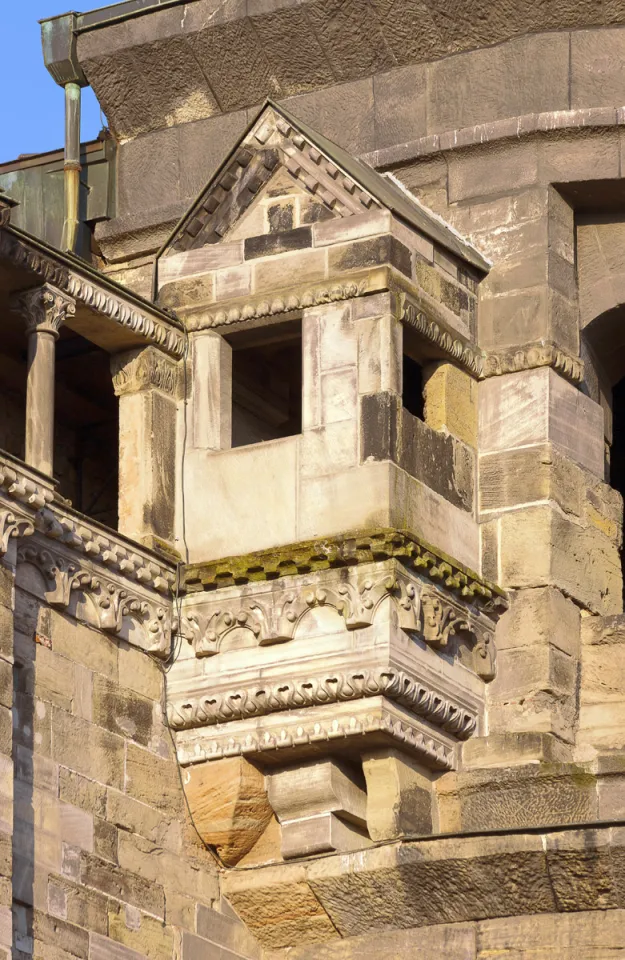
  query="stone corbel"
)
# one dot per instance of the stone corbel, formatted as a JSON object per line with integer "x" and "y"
{"x": 146, "y": 368}
{"x": 12, "y": 526}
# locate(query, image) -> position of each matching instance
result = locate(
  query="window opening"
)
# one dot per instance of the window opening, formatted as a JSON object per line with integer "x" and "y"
{"x": 617, "y": 449}
{"x": 266, "y": 383}
{"x": 86, "y": 429}
{"x": 412, "y": 387}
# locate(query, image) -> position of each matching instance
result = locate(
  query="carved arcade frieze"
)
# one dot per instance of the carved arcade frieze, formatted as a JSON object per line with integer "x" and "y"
{"x": 271, "y": 612}
{"x": 355, "y": 642}
{"x": 81, "y": 568}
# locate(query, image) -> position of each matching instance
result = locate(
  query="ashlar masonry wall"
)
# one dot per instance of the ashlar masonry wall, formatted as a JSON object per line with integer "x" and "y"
{"x": 106, "y": 863}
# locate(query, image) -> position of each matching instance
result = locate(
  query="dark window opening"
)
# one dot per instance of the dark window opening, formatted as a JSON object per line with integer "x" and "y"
{"x": 412, "y": 387}
{"x": 86, "y": 429}
{"x": 617, "y": 449}
{"x": 266, "y": 383}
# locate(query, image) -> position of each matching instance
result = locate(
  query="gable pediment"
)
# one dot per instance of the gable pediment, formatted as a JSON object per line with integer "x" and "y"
{"x": 279, "y": 149}
{"x": 273, "y": 157}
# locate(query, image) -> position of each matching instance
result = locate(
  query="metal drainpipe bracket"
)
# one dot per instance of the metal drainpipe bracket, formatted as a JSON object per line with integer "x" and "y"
{"x": 58, "y": 39}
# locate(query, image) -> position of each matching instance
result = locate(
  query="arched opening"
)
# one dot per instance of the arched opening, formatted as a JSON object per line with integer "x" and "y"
{"x": 603, "y": 350}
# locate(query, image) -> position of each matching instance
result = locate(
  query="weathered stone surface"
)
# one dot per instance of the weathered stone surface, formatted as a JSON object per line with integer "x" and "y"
{"x": 229, "y": 805}
{"x": 535, "y": 795}
{"x": 537, "y": 405}
{"x": 451, "y": 401}
{"x": 399, "y": 796}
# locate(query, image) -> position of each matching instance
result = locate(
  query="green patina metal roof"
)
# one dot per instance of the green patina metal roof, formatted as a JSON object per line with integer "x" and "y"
{"x": 36, "y": 184}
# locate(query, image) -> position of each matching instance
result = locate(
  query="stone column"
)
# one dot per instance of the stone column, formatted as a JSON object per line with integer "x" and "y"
{"x": 146, "y": 382}
{"x": 44, "y": 310}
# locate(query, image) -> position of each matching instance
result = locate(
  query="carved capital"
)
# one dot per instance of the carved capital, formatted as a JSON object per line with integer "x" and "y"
{"x": 144, "y": 369}
{"x": 44, "y": 309}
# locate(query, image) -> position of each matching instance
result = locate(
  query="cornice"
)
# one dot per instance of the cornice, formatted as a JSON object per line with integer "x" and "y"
{"x": 263, "y": 697}
{"x": 339, "y": 727}
{"x": 533, "y": 355}
{"x": 53, "y": 268}
{"x": 75, "y": 555}
{"x": 286, "y": 301}
{"x": 348, "y": 550}
{"x": 448, "y": 342}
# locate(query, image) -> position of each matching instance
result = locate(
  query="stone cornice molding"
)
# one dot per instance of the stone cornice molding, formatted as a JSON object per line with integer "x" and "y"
{"x": 532, "y": 355}
{"x": 68, "y": 278}
{"x": 447, "y": 341}
{"x": 511, "y": 128}
{"x": 265, "y": 696}
{"x": 341, "y": 725}
{"x": 273, "y": 612}
{"x": 296, "y": 298}
{"x": 144, "y": 369}
{"x": 74, "y": 554}
{"x": 365, "y": 546}
{"x": 44, "y": 309}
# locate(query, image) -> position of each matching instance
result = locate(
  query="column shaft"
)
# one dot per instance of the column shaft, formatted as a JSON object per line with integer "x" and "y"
{"x": 40, "y": 401}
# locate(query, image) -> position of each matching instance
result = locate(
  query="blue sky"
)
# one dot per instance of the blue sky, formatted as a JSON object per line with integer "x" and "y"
{"x": 31, "y": 104}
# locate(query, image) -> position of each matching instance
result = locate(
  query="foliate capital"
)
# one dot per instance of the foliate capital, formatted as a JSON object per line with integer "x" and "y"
{"x": 144, "y": 369}
{"x": 44, "y": 309}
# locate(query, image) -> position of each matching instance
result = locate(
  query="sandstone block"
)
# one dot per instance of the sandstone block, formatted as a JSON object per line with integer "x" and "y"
{"x": 540, "y": 547}
{"x": 523, "y": 796}
{"x": 80, "y": 906}
{"x": 344, "y": 229}
{"x": 229, "y": 805}
{"x": 146, "y": 821}
{"x": 87, "y": 749}
{"x": 91, "y": 648}
{"x": 305, "y": 265}
{"x": 539, "y": 617}
{"x": 226, "y": 931}
{"x": 147, "y": 935}
{"x": 152, "y": 780}
{"x": 139, "y": 673}
{"x": 531, "y": 474}
{"x": 509, "y": 749}
{"x": 399, "y": 796}
{"x": 180, "y": 873}
{"x": 535, "y": 406}
{"x": 122, "y": 884}
{"x": 82, "y": 792}
{"x": 312, "y": 802}
{"x": 451, "y": 401}
{"x": 323, "y": 833}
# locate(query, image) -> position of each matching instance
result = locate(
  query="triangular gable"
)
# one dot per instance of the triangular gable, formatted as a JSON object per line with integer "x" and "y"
{"x": 345, "y": 187}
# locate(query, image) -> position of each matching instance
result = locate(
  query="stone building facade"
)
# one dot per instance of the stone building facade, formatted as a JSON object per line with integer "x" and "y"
{"x": 311, "y": 480}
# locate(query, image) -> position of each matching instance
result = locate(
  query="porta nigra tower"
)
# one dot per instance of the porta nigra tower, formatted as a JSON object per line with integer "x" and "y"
{"x": 312, "y": 393}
